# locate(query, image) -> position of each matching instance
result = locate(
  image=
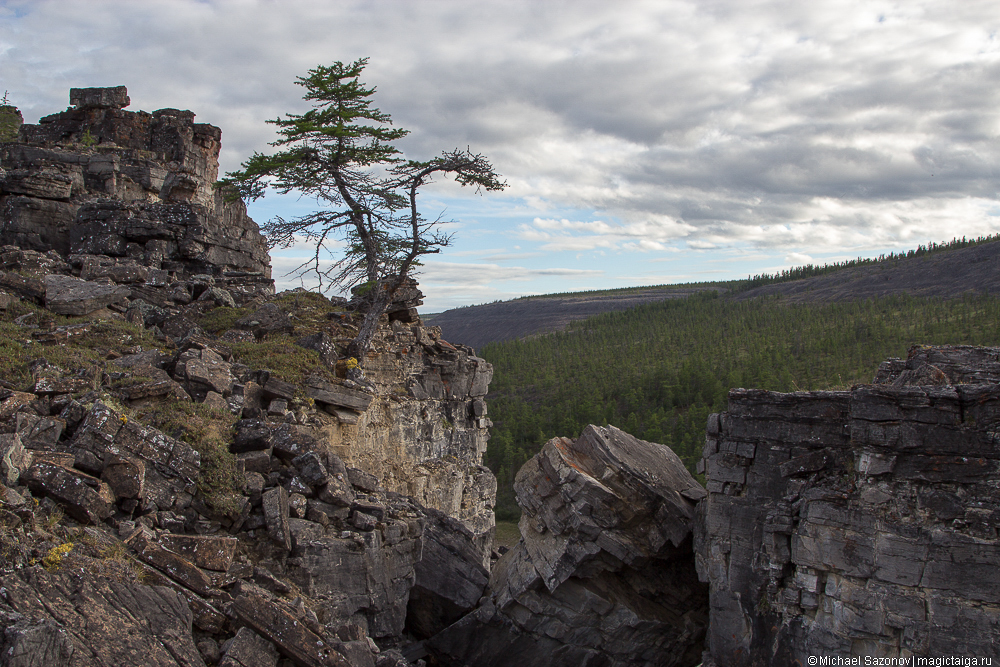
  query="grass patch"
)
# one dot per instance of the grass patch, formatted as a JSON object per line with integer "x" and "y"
{"x": 222, "y": 319}
{"x": 209, "y": 432}
{"x": 83, "y": 351}
{"x": 310, "y": 311}
{"x": 507, "y": 534}
{"x": 280, "y": 355}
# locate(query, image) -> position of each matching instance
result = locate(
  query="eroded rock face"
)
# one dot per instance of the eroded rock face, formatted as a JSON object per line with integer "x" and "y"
{"x": 134, "y": 187}
{"x": 857, "y": 523}
{"x": 425, "y": 433}
{"x": 603, "y": 574}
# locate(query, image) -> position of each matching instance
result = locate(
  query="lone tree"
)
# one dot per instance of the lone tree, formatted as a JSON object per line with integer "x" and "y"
{"x": 341, "y": 153}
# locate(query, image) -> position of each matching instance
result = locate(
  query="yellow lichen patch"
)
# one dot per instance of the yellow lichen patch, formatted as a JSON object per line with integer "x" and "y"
{"x": 53, "y": 559}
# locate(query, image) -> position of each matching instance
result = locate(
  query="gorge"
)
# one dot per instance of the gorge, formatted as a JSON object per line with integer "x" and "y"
{"x": 189, "y": 478}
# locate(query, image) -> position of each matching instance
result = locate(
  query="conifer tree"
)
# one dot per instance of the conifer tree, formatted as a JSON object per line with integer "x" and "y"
{"x": 342, "y": 153}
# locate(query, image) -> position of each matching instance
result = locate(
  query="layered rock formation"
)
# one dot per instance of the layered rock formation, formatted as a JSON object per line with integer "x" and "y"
{"x": 364, "y": 561}
{"x": 195, "y": 433}
{"x": 857, "y": 523}
{"x": 134, "y": 187}
{"x": 603, "y": 574}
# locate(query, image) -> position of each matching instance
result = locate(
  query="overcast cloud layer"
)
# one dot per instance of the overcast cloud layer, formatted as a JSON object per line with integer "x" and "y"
{"x": 643, "y": 142}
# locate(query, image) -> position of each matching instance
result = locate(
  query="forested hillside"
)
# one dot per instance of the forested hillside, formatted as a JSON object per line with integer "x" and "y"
{"x": 658, "y": 370}
{"x": 935, "y": 269}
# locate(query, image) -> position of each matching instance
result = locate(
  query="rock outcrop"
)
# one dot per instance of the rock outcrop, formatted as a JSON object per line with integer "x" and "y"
{"x": 857, "y": 523}
{"x": 135, "y": 189}
{"x": 603, "y": 573}
{"x": 187, "y": 457}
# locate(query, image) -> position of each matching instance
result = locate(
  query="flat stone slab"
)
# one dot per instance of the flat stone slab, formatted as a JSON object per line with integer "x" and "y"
{"x": 177, "y": 568}
{"x": 67, "y": 295}
{"x": 333, "y": 394}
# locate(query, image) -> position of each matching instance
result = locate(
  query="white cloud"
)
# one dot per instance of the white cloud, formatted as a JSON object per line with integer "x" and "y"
{"x": 798, "y": 259}
{"x": 833, "y": 125}
{"x": 482, "y": 274}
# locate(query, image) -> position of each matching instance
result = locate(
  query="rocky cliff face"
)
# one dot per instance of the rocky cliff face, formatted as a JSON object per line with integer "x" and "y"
{"x": 426, "y": 435}
{"x": 857, "y": 523}
{"x": 135, "y": 187}
{"x": 186, "y": 475}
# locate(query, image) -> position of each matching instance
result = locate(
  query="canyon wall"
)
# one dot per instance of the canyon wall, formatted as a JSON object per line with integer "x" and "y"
{"x": 857, "y": 523}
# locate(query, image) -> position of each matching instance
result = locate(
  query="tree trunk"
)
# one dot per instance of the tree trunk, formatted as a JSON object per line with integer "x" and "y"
{"x": 380, "y": 303}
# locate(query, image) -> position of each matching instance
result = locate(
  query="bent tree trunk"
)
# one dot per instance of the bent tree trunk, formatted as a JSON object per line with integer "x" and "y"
{"x": 380, "y": 303}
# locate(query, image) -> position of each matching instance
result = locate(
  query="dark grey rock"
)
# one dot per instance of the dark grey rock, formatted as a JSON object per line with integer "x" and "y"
{"x": 107, "y": 623}
{"x": 605, "y": 553}
{"x": 67, "y": 295}
{"x": 248, "y": 649}
{"x": 857, "y": 515}
{"x": 251, "y": 435}
{"x": 275, "y": 504}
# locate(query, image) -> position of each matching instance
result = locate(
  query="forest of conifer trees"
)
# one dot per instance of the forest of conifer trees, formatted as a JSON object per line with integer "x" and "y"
{"x": 657, "y": 371}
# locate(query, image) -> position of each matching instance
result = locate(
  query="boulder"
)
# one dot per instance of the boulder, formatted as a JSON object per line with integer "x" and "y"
{"x": 210, "y": 552}
{"x": 86, "y": 499}
{"x": 39, "y": 432}
{"x": 126, "y": 475}
{"x": 450, "y": 576}
{"x": 290, "y": 635}
{"x": 248, "y": 649}
{"x": 275, "y": 504}
{"x": 111, "y": 98}
{"x": 269, "y": 319}
{"x": 251, "y": 435}
{"x": 105, "y": 432}
{"x": 604, "y": 572}
{"x": 337, "y": 395}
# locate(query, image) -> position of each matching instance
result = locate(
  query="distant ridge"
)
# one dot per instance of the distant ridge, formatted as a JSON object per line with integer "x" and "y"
{"x": 520, "y": 318}
{"x": 945, "y": 271}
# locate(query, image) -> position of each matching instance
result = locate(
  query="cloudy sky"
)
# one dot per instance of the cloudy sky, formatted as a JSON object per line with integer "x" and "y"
{"x": 644, "y": 142}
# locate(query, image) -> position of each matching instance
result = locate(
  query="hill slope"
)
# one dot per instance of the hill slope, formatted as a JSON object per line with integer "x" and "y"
{"x": 945, "y": 273}
{"x": 520, "y": 318}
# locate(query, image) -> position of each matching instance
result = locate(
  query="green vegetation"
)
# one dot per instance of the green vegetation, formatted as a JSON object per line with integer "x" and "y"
{"x": 658, "y": 370}
{"x": 83, "y": 352}
{"x": 221, "y": 319}
{"x": 506, "y": 534}
{"x": 809, "y": 270}
{"x": 280, "y": 355}
{"x": 10, "y": 120}
{"x": 209, "y": 432}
